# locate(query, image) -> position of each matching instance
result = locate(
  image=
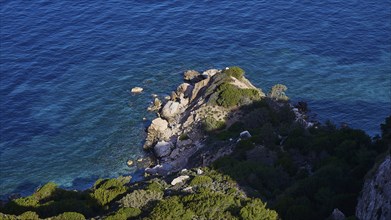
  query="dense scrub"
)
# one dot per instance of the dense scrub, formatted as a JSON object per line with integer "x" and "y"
{"x": 207, "y": 196}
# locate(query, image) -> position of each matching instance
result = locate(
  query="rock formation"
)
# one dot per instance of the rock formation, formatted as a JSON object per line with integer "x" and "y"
{"x": 375, "y": 201}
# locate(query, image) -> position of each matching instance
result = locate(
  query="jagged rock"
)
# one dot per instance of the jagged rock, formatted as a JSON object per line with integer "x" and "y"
{"x": 191, "y": 75}
{"x": 129, "y": 162}
{"x": 175, "y": 153}
{"x": 179, "y": 179}
{"x": 337, "y": 215}
{"x": 170, "y": 109}
{"x": 163, "y": 148}
{"x": 155, "y": 105}
{"x": 155, "y": 131}
{"x": 197, "y": 87}
{"x": 137, "y": 90}
{"x": 375, "y": 200}
{"x": 209, "y": 73}
{"x": 183, "y": 143}
{"x": 159, "y": 169}
{"x": 245, "y": 135}
{"x": 185, "y": 89}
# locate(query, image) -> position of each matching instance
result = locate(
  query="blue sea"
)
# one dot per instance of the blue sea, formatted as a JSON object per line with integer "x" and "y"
{"x": 67, "y": 67}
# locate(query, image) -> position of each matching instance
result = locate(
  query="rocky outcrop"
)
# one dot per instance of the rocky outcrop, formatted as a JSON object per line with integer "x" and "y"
{"x": 375, "y": 200}
{"x": 177, "y": 134}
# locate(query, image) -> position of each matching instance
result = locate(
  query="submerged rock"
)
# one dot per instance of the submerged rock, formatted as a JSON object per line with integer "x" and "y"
{"x": 137, "y": 90}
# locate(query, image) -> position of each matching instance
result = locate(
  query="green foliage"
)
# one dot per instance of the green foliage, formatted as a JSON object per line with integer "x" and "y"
{"x": 200, "y": 180}
{"x": 45, "y": 192}
{"x": 124, "y": 214}
{"x": 210, "y": 124}
{"x": 235, "y": 71}
{"x": 208, "y": 204}
{"x": 8, "y": 217}
{"x": 107, "y": 190}
{"x": 170, "y": 209}
{"x": 278, "y": 93}
{"x": 69, "y": 216}
{"x": 29, "y": 216}
{"x": 256, "y": 210}
{"x": 140, "y": 198}
{"x": 183, "y": 137}
{"x": 231, "y": 95}
{"x": 155, "y": 186}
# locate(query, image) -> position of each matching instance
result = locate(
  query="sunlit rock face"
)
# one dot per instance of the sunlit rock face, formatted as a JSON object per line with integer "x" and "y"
{"x": 375, "y": 201}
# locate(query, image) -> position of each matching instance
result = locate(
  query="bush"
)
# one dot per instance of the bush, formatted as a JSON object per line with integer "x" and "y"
{"x": 170, "y": 208}
{"x": 183, "y": 137}
{"x": 200, "y": 180}
{"x": 140, "y": 198}
{"x": 69, "y": 216}
{"x": 107, "y": 190}
{"x": 278, "y": 93}
{"x": 235, "y": 71}
{"x": 124, "y": 214}
{"x": 210, "y": 124}
{"x": 256, "y": 210}
{"x": 29, "y": 216}
{"x": 231, "y": 95}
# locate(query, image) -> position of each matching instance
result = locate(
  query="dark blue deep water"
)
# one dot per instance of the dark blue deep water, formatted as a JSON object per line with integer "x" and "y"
{"x": 67, "y": 66}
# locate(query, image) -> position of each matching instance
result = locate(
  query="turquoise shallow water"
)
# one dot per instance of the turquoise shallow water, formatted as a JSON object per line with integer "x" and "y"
{"x": 67, "y": 114}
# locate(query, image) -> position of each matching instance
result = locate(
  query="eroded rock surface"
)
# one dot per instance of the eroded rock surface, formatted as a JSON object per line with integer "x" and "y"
{"x": 375, "y": 201}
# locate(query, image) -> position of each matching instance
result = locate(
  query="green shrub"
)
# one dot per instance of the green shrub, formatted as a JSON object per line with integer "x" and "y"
{"x": 69, "y": 216}
{"x": 278, "y": 93}
{"x": 29, "y": 216}
{"x": 124, "y": 214}
{"x": 231, "y": 95}
{"x": 183, "y": 137}
{"x": 140, "y": 198}
{"x": 207, "y": 204}
{"x": 256, "y": 210}
{"x": 235, "y": 71}
{"x": 8, "y": 217}
{"x": 107, "y": 190}
{"x": 210, "y": 124}
{"x": 46, "y": 191}
{"x": 200, "y": 180}
{"x": 170, "y": 209}
{"x": 155, "y": 186}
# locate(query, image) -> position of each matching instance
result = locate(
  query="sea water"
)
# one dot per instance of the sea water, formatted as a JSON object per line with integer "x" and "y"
{"x": 67, "y": 67}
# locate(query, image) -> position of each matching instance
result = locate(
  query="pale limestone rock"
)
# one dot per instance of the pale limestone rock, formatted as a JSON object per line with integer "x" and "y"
{"x": 170, "y": 109}
{"x": 137, "y": 90}
{"x": 179, "y": 179}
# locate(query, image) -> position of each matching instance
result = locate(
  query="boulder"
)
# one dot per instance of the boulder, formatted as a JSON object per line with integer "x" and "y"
{"x": 191, "y": 75}
{"x": 337, "y": 215}
{"x": 155, "y": 105}
{"x": 245, "y": 135}
{"x": 170, "y": 109}
{"x": 163, "y": 148}
{"x": 197, "y": 87}
{"x": 179, "y": 179}
{"x": 209, "y": 73}
{"x": 158, "y": 124}
{"x": 185, "y": 89}
{"x": 199, "y": 171}
{"x": 129, "y": 162}
{"x": 137, "y": 90}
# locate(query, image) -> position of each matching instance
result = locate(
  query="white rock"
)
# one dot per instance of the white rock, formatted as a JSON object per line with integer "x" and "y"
{"x": 170, "y": 109}
{"x": 129, "y": 162}
{"x": 159, "y": 124}
{"x": 162, "y": 148}
{"x": 137, "y": 89}
{"x": 179, "y": 180}
{"x": 199, "y": 171}
{"x": 210, "y": 73}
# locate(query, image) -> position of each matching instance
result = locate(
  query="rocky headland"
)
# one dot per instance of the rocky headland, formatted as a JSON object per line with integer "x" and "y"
{"x": 224, "y": 149}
